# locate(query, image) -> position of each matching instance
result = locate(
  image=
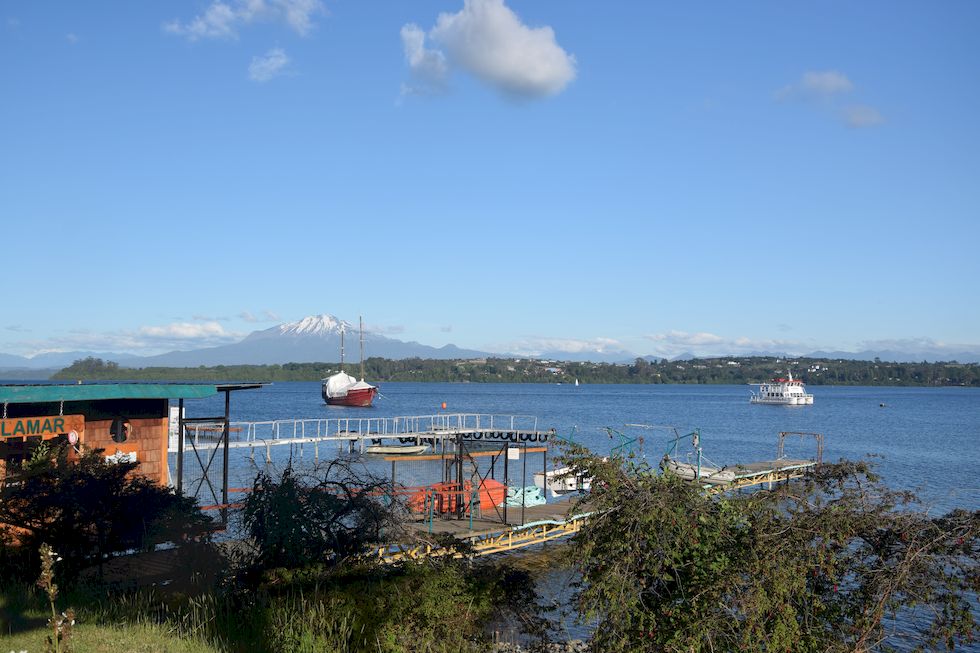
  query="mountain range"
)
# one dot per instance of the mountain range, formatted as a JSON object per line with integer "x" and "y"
{"x": 317, "y": 338}
{"x": 312, "y": 339}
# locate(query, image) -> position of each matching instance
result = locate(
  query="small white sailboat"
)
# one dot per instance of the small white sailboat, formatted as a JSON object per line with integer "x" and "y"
{"x": 576, "y": 383}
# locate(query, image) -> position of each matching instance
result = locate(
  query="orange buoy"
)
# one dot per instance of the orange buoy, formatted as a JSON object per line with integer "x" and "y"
{"x": 444, "y": 405}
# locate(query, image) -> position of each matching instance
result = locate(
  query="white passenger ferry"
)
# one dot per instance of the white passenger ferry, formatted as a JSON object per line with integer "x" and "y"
{"x": 784, "y": 392}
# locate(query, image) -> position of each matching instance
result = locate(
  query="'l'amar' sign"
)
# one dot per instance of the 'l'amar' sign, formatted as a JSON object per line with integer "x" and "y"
{"x": 46, "y": 427}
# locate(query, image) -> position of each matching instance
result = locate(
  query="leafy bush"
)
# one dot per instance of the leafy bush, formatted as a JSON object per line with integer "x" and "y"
{"x": 324, "y": 515}
{"x": 88, "y": 510}
{"x": 831, "y": 563}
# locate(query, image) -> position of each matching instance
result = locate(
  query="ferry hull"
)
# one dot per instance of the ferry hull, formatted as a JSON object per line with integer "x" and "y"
{"x": 784, "y": 401}
{"x": 360, "y": 398}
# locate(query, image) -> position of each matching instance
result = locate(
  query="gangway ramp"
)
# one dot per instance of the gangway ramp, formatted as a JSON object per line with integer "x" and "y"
{"x": 356, "y": 432}
{"x": 543, "y": 523}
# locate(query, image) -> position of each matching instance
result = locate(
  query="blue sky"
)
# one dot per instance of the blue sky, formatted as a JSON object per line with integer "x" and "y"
{"x": 507, "y": 176}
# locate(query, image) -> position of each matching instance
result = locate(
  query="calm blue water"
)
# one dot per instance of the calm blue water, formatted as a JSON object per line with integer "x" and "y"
{"x": 929, "y": 438}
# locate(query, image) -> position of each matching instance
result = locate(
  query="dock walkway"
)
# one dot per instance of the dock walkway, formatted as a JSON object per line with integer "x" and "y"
{"x": 766, "y": 472}
{"x": 358, "y": 433}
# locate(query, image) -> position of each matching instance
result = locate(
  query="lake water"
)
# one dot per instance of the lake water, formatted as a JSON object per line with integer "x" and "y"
{"x": 928, "y": 438}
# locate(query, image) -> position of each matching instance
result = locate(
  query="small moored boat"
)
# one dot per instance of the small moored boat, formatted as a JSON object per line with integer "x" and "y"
{"x": 562, "y": 481}
{"x": 396, "y": 449}
{"x": 342, "y": 389}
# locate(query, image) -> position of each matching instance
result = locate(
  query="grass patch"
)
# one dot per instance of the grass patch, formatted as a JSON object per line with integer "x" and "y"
{"x": 416, "y": 608}
{"x": 91, "y": 638}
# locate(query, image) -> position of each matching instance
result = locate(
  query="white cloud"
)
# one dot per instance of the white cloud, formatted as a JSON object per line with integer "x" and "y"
{"x": 217, "y": 22}
{"x": 826, "y": 83}
{"x": 825, "y": 90}
{"x": 816, "y": 85}
{"x": 268, "y": 66}
{"x": 390, "y": 330}
{"x": 538, "y": 346}
{"x": 222, "y": 20}
{"x": 265, "y": 316}
{"x": 428, "y": 67}
{"x": 923, "y": 348}
{"x": 489, "y": 41}
{"x": 859, "y": 116}
{"x": 185, "y": 331}
{"x": 144, "y": 340}
{"x": 299, "y": 13}
{"x": 674, "y": 343}
{"x": 687, "y": 339}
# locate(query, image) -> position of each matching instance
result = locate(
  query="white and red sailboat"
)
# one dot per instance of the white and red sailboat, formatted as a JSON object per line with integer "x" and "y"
{"x": 342, "y": 389}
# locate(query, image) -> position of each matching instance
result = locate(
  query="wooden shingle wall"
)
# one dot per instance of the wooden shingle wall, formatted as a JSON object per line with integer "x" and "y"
{"x": 147, "y": 438}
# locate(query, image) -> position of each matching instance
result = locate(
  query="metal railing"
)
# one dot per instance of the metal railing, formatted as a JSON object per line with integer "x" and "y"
{"x": 359, "y": 428}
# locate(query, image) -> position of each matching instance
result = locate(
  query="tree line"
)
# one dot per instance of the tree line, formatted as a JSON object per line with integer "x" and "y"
{"x": 721, "y": 370}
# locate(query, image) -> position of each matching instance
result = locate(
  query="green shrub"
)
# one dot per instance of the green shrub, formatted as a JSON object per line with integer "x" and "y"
{"x": 825, "y": 564}
{"x": 88, "y": 510}
{"x": 324, "y": 515}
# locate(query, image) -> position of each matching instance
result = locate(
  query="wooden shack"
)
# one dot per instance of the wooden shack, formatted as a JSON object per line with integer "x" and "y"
{"x": 128, "y": 421}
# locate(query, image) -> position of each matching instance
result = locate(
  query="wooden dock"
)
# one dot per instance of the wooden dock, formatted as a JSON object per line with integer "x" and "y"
{"x": 532, "y": 525}
{"x": 528, "y": 526}
{"x": 766, "y": 472}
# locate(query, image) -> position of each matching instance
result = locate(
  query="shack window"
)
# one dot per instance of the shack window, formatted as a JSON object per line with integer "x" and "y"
{"x": 119, "y": 430}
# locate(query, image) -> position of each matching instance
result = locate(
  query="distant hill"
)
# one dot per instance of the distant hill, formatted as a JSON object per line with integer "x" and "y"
{"x": 314, "y": 338}
{"x": 897, "y": 356}
{"x": 56, "y": 360}
{"x": 26, "y": 374}
{"x": 525, "y": 370}
{"x": 317, "y": 339}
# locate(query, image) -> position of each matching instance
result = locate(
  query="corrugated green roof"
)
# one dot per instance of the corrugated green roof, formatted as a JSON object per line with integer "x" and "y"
{"x": 29, "y": 394}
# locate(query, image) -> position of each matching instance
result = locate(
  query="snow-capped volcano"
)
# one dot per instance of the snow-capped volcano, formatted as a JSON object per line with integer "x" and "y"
{"x": 315, "y": 325}
{"x": 315, "y": 338}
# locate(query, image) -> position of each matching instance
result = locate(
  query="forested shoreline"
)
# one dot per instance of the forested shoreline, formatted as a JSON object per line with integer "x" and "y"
{"x": 722, "y": 370}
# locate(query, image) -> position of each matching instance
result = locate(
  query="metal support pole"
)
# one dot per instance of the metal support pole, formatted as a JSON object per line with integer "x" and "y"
{"x": 459, "y": 473}
{"x": 180, "y": 446}
{"x": 544, "y": 468}
{"x": 506, "y": 475}
{"x": 523, "y": 481}
{"x": 224, "y": 480}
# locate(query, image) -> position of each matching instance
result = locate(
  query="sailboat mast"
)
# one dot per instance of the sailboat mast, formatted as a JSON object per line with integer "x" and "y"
{"x": 341, "y": 346}
{"x": 361, "y": 329}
